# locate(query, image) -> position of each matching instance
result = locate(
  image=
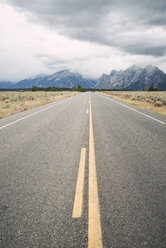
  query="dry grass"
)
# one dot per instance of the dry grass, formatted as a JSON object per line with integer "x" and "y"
{"x": 152, "y": 101}
{"x": 13, "y": 102}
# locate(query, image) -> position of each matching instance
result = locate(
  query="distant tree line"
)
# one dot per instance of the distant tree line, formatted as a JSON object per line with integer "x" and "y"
{"x": 151, "y": 88}
{"x": 51, "y": 88}
{"x": 78, "y": 88}
{"x": 34, "y": 88}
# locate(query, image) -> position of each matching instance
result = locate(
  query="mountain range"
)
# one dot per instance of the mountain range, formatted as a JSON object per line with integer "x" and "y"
{"x": 5, "y": 85}
{"x": 61, "y": 79}
{"x": 133, "y": 78}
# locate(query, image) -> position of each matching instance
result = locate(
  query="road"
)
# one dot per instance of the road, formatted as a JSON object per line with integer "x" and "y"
{"x": 87, "y": 171}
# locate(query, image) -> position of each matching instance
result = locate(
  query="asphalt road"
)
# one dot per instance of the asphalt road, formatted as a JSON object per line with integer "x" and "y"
{"x": 121, "y": 187}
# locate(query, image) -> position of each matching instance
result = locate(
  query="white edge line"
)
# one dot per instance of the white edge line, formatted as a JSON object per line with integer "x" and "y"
{"x": 133, "y": 109}
{"x": 27, "y": 116}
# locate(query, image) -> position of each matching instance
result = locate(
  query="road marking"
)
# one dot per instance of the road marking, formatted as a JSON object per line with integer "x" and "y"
{"x": 89, "y": 99}
{"x": 94, "y": 224}
{"x": 78, "y": 201}
{"x": 87, "y": 111}
{"x": 136, "y": 111}
{"x": 27, "y": 116}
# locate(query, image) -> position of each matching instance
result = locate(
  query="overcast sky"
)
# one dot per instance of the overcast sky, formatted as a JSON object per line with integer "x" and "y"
{"x": 86, "y": 36}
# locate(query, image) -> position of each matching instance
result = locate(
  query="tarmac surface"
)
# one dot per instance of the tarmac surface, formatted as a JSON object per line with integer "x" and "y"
{"x": 124, "y": 175}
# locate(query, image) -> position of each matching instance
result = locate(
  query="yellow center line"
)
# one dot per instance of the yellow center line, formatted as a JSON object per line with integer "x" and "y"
{"x": 78, "y": 201}
{"x": 94, "y": 224}
{"x": 89, "y": 99}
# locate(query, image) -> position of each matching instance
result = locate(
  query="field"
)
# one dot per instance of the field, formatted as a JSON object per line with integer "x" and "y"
{"x": 152, "y": 100}
{"x": 13, "y": 102}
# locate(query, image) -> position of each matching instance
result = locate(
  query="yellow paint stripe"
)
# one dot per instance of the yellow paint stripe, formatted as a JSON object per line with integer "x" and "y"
{"x": 89, "y": 99}
{"x": 94, "y": 224}
{"x": 87, "y": 111}
{"x": 78, "y": 201}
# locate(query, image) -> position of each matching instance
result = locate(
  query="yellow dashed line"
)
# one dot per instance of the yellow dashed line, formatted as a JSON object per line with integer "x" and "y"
{"x": 78, "y": 201}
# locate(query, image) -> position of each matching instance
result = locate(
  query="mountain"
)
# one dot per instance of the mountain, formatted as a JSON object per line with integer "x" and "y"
{"x": 62, "y": 79}
{"x": 5, "y": 85}
{"x": 107, "y": 81}
{"x": 133, "y": 78}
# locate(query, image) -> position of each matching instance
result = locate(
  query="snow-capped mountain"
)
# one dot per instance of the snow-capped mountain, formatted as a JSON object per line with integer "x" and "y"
{"x": 134, "y": 78}
{"x": 62, "y": 79}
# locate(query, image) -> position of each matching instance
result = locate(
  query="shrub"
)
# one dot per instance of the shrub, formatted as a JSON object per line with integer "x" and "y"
{"x": 151, "y": 88}
{"x": 73, "y": 88}
{"x": 53, "y": 88}
{"x": 48, "y": 88}
{"x": 34, "y": 88}
{"x": 80, "y": 88}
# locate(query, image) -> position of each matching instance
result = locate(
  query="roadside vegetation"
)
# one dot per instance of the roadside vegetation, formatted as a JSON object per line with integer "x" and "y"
{"x": 13, "y": 101}
{"x": 151, "y": 100}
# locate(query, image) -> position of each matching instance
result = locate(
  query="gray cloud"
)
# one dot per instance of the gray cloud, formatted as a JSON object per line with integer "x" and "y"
{"x": 108, "y": 22}
{"x": 51, "y": 61}
{"x": 48, "y": 59}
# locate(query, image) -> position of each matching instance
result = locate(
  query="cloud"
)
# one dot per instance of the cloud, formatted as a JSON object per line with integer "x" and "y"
{"x": 90, "y": 37}
{"x": 112, "y": 23}
{"x": 28, "y": 48}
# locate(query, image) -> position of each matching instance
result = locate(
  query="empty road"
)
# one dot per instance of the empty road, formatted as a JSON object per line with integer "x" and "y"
{"x": 87, "y": 171}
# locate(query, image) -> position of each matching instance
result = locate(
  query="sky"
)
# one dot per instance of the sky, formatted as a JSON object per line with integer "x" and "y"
{"x": 90, "y": 37}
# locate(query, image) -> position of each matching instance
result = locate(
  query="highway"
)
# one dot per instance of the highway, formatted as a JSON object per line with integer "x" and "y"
{"x": 87, "y": 171}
